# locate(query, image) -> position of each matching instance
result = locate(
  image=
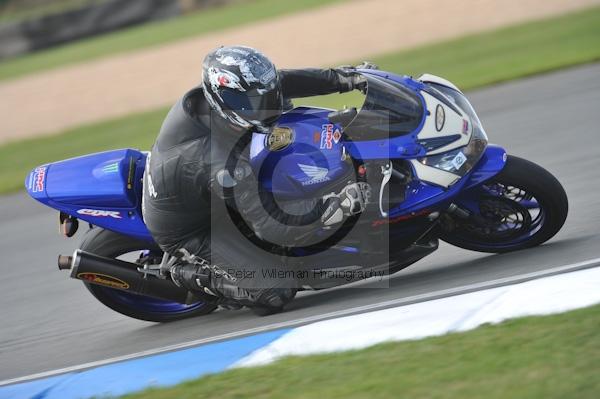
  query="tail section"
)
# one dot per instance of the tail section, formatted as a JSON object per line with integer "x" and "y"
{"x": 104, "y": 189}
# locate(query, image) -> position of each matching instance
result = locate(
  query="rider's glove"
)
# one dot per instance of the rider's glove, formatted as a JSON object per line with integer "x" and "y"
{"x": 355, "y": 197}
{"x": 333, "y": 213}
{"x": 353, "y": 68}
{"x": 350, "y": 80}
{"x": 366, "y": 65}
{"x": 354, "y": 81}
{"x": 352, "y": 200}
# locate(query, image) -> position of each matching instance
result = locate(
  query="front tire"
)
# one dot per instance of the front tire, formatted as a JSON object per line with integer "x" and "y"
{"x": 112, "y": 245}
{"x": 524, "y": 206}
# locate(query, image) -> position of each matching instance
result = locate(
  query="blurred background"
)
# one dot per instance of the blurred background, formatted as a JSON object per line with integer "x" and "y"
{"x": 30, "y": 25}
{"x": 85, "y": 75}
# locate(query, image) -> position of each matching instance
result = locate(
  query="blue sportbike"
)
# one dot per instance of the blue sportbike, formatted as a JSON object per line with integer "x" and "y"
{"x": 417, "y": 142}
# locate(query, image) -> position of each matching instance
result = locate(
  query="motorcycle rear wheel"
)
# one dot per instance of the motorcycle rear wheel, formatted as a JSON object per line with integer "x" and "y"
{"x": 112, "y": 245}
{"x": 523, "y": 206}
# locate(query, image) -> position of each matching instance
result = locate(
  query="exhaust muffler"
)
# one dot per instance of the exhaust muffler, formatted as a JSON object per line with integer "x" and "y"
{"x": 121, "y": 275}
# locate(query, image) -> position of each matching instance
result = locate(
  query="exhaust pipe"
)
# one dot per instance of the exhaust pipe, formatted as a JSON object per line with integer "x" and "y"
{"x": 121, "y": 275}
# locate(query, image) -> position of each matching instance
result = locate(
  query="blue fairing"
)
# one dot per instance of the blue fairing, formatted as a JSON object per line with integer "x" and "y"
{"x": 404, "y": 146}
{"x": 309, "y": 164}
{"x": 84, "y": 187}
{"x": 420, "y": 195}
{"x": 103, "y": 189}
{"x": 301, "y": 159}
{"x": 492, "y": 162}
{"x": 287, "y": 172}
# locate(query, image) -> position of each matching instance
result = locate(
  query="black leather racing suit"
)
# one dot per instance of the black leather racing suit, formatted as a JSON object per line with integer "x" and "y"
{"x": 188, "y": 178}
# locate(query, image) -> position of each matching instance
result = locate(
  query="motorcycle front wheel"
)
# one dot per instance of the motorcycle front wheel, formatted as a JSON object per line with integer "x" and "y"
{"x": 521, "y": 207}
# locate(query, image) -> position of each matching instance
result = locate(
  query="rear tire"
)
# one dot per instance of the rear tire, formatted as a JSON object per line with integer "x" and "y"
{"x": 542, "y": 186}
{"x": 112, "y": 245}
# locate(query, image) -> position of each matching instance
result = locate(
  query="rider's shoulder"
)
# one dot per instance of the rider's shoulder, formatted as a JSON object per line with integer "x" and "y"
{"x": 183, "y": 122}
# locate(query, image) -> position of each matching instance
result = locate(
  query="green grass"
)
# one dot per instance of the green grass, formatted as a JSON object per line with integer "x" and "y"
{"x": 16, "y": 159}
{"x": 156, "y": 33}
{"x": 501, "y": 55}
{"x": 547, "y": 357}
{"x": 508, "y": 53}
{"x": 469, "y": 62}
{"x": 18, "y": 12}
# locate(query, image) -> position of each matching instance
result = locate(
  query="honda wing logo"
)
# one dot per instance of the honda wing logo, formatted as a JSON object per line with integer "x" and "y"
{"x": 316, "y": 174}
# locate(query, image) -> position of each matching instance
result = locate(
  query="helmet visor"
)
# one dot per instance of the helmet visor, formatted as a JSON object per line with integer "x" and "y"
{"x": 252, "y": 106}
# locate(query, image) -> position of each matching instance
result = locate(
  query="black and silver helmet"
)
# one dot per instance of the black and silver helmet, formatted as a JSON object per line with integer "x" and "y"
{"x": 242, "y": 85}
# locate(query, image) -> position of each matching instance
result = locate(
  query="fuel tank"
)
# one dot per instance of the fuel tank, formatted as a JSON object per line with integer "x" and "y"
{"x": 301, "y": 156}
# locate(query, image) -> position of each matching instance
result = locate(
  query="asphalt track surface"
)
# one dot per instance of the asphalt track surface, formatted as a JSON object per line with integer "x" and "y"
{"x": 49, "y": 321}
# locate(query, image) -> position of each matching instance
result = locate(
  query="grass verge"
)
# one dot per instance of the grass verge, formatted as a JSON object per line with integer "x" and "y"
{"x": 14, "y": 11}
{"x": 470, "y": 62}
{"x": 17, "y": 158}
{"x": 203, "y": 21}
{"x": 501, "y": 55}
{"x": 554, "y": 356}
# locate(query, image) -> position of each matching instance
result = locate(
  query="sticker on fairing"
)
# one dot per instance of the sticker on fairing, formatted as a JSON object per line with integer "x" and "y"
{"x": 38, "y": 179}
{"x": 459, "y": 160}
{"x": 280, "y": 138}
{"x": 327, "y": 137}
{"x": 103, "y": 279}
{"x": 100, "y": 213}
{"x": 337, "y": 136}
{"x": 315, "y": 174}
{"x": 465, "y": 129}
{"x": 111, "y": 168}
{"x": 440, "y": 118}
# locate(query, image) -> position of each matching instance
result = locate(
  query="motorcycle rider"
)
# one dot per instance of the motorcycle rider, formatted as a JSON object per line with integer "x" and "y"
{"x": 201, "y": 155}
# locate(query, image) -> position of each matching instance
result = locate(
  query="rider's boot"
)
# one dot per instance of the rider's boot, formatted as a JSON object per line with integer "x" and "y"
{"x": 199, "y": 278}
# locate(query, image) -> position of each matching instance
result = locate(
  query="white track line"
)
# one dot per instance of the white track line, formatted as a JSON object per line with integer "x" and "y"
{"x": 310, "y": 319}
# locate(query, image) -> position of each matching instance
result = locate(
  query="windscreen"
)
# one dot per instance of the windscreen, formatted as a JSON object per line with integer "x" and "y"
{"x": 461, "y": 101}
{"x": 389, "y": 110}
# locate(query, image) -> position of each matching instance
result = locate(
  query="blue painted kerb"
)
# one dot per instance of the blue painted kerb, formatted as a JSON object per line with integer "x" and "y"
{"x": 164, "y": 369}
